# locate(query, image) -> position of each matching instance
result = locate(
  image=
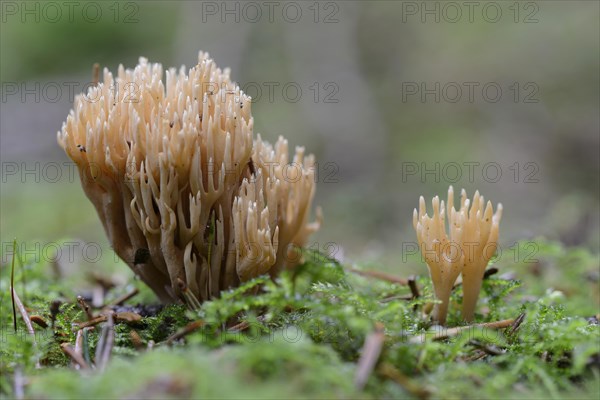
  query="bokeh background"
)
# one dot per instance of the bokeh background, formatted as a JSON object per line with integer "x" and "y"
{"x": 369, "y": 107}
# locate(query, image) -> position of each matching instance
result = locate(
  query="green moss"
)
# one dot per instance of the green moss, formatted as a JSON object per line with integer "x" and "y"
{"x": 167, "y": 322}
{"x": 302, "y": 335}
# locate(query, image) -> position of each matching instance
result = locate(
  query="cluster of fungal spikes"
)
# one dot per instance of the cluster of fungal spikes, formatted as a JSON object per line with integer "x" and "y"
{"x": 466, "y": 250}
{"x": 188, "y": 199}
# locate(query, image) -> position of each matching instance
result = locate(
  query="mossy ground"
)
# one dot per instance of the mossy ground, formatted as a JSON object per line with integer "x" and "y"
{"x": 303, "y": 335}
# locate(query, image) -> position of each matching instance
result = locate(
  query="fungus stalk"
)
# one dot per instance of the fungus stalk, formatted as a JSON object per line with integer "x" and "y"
{"x": 467, "y": 249}
{"x": 187, "y": 197}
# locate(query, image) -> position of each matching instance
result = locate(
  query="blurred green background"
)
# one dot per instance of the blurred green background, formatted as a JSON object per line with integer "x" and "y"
{"x": 357, "y": 65}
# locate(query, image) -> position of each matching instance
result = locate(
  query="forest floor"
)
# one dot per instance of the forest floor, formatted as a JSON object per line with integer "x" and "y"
{"x": 324, "y": 331}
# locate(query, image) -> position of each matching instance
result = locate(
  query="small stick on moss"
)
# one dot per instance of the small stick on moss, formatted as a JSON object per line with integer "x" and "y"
{"x": 78, "y": 347}
{"x": 54, "y": 310}
{"x": 79, "y": 342}
{"x": 414, "y": 289}
{"x": 85, "y": 307}
{"x": 478, "y": 355}
{"x": 23, "y": 275}
{"x": 516, "y": 325}
{"x": 24, "y": 313}
{"x": 487, "y": 349}
{"x": 127, "y": 317}
{"x": 448, "y": 333}
{"x": 105, "y": 344}
{"x": 388, "y": 371}
{"x": 39, "y": 321}
{"x": 72, "y": 354}
{"x": 12, "y": 285}
{"x": 379, "y": 275}
{"x": 412, "y": 284}
{"x": 497, "y": 324}
{"x": 120, "y": 300}
{"x": 186, "y": 330}
{"x": 86, "y": 346}
{"x": 392, "y": 298}
{"x": 369, "y": 356}
{"x": 242, "y": 326}
{"x": 92, "y": 322}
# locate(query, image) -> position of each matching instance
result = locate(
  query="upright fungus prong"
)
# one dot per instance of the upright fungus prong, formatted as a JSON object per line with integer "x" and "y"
{"x": 467, "y": 249}
{"x": 480, "y": 241}
{"x": 162, "y": 159}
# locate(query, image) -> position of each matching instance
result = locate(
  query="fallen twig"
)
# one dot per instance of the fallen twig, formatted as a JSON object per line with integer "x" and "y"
{"x": 86, "y": 346}
{"x": 451, "y": 332}
{"x": 486, "y": 348}
{"x": 379, "y": 275}
{"x": 412, "y": 284}
{"x": 105, "y": 344}
{"x": 23, "y": 312}
{"x": 78, "y": 347}
{"x": 478, "y": 355}
{"x": 128, "y": 317}
{"x": 79, "y": 342}
{"x": 414, "y": 289}
{"x": 186, "y": 330}
{"x": 12, "y": 286}
{"x": 242, "y": 326}
{"x": 38, "y": 321}
{"x": 125, "y": 316}
{"x": 54, "y": 310}
{"x": 93, "y": 322}
{"x": 85, "y": 307}
{"x": 392, "y": 298}
{"x": 516, "y": 324}
{"x": 70, "y": 352}
{"x": 369, "y": 356}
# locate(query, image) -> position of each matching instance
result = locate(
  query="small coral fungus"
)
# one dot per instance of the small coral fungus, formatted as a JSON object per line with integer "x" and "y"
{"x": 472, "y": 241}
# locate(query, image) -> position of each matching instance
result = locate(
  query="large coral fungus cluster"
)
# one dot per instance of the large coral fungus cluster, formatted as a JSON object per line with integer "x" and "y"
{"x": 188, "y": 199}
